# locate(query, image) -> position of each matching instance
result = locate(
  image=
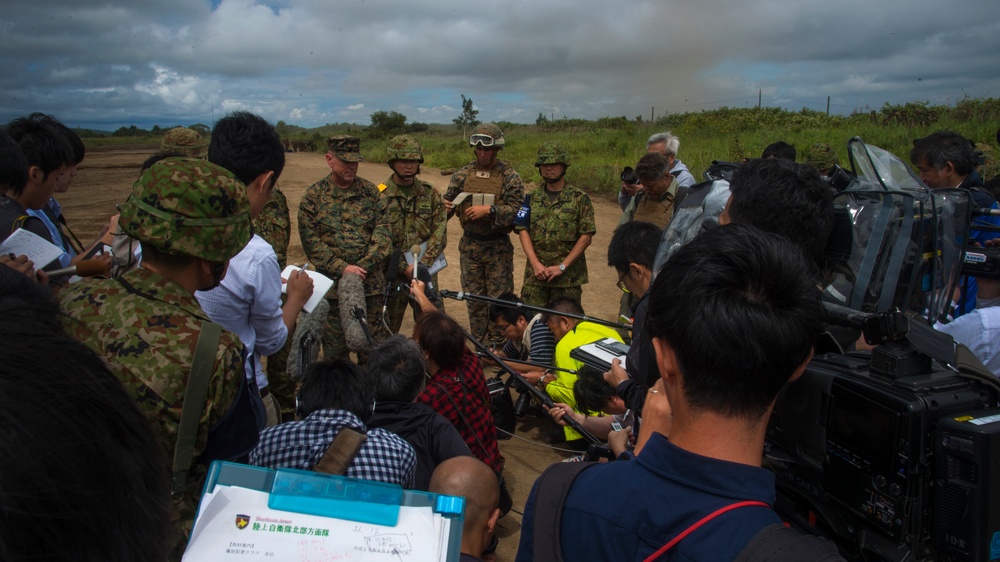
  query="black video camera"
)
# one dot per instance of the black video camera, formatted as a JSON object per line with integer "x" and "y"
{"x": 982, "y": 262}
{"x": 889, "y": 455}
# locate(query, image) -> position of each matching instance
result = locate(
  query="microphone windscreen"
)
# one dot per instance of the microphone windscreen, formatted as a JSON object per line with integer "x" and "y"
{"x": 351, "y": 294}
{"x": 415, "y": 250}
{"x": 307, "y": 339}
{"x": 392, "y": 272}
{"x": 90, "y": 268}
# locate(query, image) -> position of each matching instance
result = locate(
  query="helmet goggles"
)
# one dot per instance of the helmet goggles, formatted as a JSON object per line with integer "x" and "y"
{"x": 482, "y": 140}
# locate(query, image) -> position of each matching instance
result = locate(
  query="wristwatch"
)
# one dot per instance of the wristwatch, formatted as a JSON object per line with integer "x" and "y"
{"x": 562, "y": 267}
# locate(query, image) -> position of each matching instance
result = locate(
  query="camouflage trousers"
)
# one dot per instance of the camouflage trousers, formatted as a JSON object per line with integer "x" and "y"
{"x": 398, "y": 303}
{"x": 334, "y": 345}
{"x": 487, "y": 270}
{"x": 540, "y": 295}
{"x": 279, "y": 381}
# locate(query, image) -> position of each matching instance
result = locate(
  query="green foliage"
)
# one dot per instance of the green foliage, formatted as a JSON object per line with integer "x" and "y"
{"x": 202, "y": 129}
{"x": 601, "y": 148}
{"x": 387, "y": 123}
{"x": 468, "y": 118}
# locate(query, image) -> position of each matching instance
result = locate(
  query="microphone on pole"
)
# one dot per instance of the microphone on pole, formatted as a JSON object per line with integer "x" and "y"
{"x": 351, "y": 298}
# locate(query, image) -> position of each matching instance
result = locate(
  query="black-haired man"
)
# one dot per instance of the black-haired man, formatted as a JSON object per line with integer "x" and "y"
{"x": 248, "y": 300}
{"x": 746, "y": 325}
{"x": 336, "y": 395}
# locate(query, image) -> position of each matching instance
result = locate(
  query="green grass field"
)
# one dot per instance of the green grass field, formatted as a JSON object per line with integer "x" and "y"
{"x": 600, "y": 149}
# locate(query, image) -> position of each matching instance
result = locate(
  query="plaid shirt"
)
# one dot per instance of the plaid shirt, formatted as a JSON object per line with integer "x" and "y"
{"x": 446, "y": 394}
{"x": 300, "y": 444}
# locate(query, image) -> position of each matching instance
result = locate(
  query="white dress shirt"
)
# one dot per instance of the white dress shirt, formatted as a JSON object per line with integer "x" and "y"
{"x": 248, "y": 303}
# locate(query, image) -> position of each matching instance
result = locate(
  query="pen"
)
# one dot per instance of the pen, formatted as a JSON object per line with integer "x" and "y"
{"x": 304, "y": 266}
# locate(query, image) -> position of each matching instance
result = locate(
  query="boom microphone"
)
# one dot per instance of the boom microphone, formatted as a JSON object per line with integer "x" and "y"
{"x": 351, "y": 296}
{"x": 83, "y": 268}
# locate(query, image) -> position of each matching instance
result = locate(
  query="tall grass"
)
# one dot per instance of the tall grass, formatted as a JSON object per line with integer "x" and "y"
{"x": 600, "y": 149}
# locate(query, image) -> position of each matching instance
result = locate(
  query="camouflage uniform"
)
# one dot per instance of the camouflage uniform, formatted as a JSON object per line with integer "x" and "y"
{"x": 822, "y": 157}
{"x": 342, "y": 227}
{"x": 555, "y": 226}
{"x": 146, "y": 326}
{"x": 414, "y": 214}
{"x": 273, "y": 224}
{"x": 185, "y": 141}
{"x": 487, "y": 255}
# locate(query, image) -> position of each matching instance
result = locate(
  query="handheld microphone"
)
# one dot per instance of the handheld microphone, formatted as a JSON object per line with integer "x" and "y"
{"x": 415, "y": 250}
{"x": 83, "y": 268}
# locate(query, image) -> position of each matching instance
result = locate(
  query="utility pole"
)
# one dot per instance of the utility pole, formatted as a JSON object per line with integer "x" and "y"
{"x": 827, "y": 106}
{"x": 758, "y": 98}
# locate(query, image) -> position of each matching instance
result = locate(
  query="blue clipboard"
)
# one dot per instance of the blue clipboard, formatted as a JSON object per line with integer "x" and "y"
{"x": 338, "y": 497}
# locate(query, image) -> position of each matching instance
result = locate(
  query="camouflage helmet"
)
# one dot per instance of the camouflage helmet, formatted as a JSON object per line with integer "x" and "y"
{"x": 821, "y": 156}
{"x": 404, "y": 147}
{"x": 189, "y": 207}
{"x": 486, "y": 134}
{"x": 552, "y": 153}
{"x": 185, "y": 141}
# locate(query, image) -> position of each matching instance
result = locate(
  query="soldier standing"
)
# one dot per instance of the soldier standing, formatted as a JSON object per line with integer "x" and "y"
{"x": 487, "y": 217}
{"x": 555, "y": 225}
{"x": 191, "y": 217}
{"x": 415, "y": 214}
{"x": 343, "y": 228}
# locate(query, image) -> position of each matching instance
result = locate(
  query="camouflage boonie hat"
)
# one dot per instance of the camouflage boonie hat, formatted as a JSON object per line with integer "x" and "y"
{"x": 185, "y": 141}
{"x": 821, "y": 156}
{"x": 552, "y": 153}
{"x": 189, "y": 207}
{"x": 404, "y": 147}
{"x": 345, "y": 147}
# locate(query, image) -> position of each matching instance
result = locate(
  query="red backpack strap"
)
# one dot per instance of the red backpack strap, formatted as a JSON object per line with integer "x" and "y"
{"x": 673, "y": 542}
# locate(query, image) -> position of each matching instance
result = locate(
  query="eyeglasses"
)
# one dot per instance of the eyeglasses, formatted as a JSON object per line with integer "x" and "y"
{"x": 504, "y": 327}
{"x": 481, "y": 140}
{"x": 621, "y": 283}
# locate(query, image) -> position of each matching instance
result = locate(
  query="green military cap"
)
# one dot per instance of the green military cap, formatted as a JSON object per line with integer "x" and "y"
{"x": 821, "y": 156}
{"x": 552, "y": 153}
{"x": 185, "y": 141}
{"x": 404, "y": 147}
{"x": 190, "y": 207}
{"x": 345, "y": 147}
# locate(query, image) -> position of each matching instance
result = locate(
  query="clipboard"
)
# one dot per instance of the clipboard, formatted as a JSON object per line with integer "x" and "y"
{"x": 366, "y": 519}
{"x": 597, "y": 356}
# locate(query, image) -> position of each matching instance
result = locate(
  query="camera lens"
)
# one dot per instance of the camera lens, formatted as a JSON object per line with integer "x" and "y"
{"x": 628, "y": 176}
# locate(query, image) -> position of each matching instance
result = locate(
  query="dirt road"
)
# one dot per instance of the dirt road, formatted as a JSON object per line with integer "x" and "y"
{"x": 106, "y": 179}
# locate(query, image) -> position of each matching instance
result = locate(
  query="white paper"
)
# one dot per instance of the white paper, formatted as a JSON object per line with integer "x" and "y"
{"x": 23, "y": 242}
{"x": 321, "y": 285}
{"x": 603, "y": 354}
{"x": 270, "y": 534}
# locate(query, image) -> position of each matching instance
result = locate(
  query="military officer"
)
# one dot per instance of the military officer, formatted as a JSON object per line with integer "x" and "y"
{"x": 555, "y": 226}
{"x": 487, "y": 214}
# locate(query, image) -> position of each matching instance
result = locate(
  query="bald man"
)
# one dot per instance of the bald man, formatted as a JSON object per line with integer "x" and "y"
{"x": 472, "y": 479}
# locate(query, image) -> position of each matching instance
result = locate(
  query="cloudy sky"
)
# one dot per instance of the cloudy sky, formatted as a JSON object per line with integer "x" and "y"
{"x": 308, "y": 62}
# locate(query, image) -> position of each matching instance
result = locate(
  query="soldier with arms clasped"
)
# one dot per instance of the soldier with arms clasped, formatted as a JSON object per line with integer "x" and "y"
{"x": 191, "y": 217}
{"x": 555, "y": 225}
{"x": 415, "y": 214}
{"x": 342, "y": 223}
{"x": 487, "y": 216}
